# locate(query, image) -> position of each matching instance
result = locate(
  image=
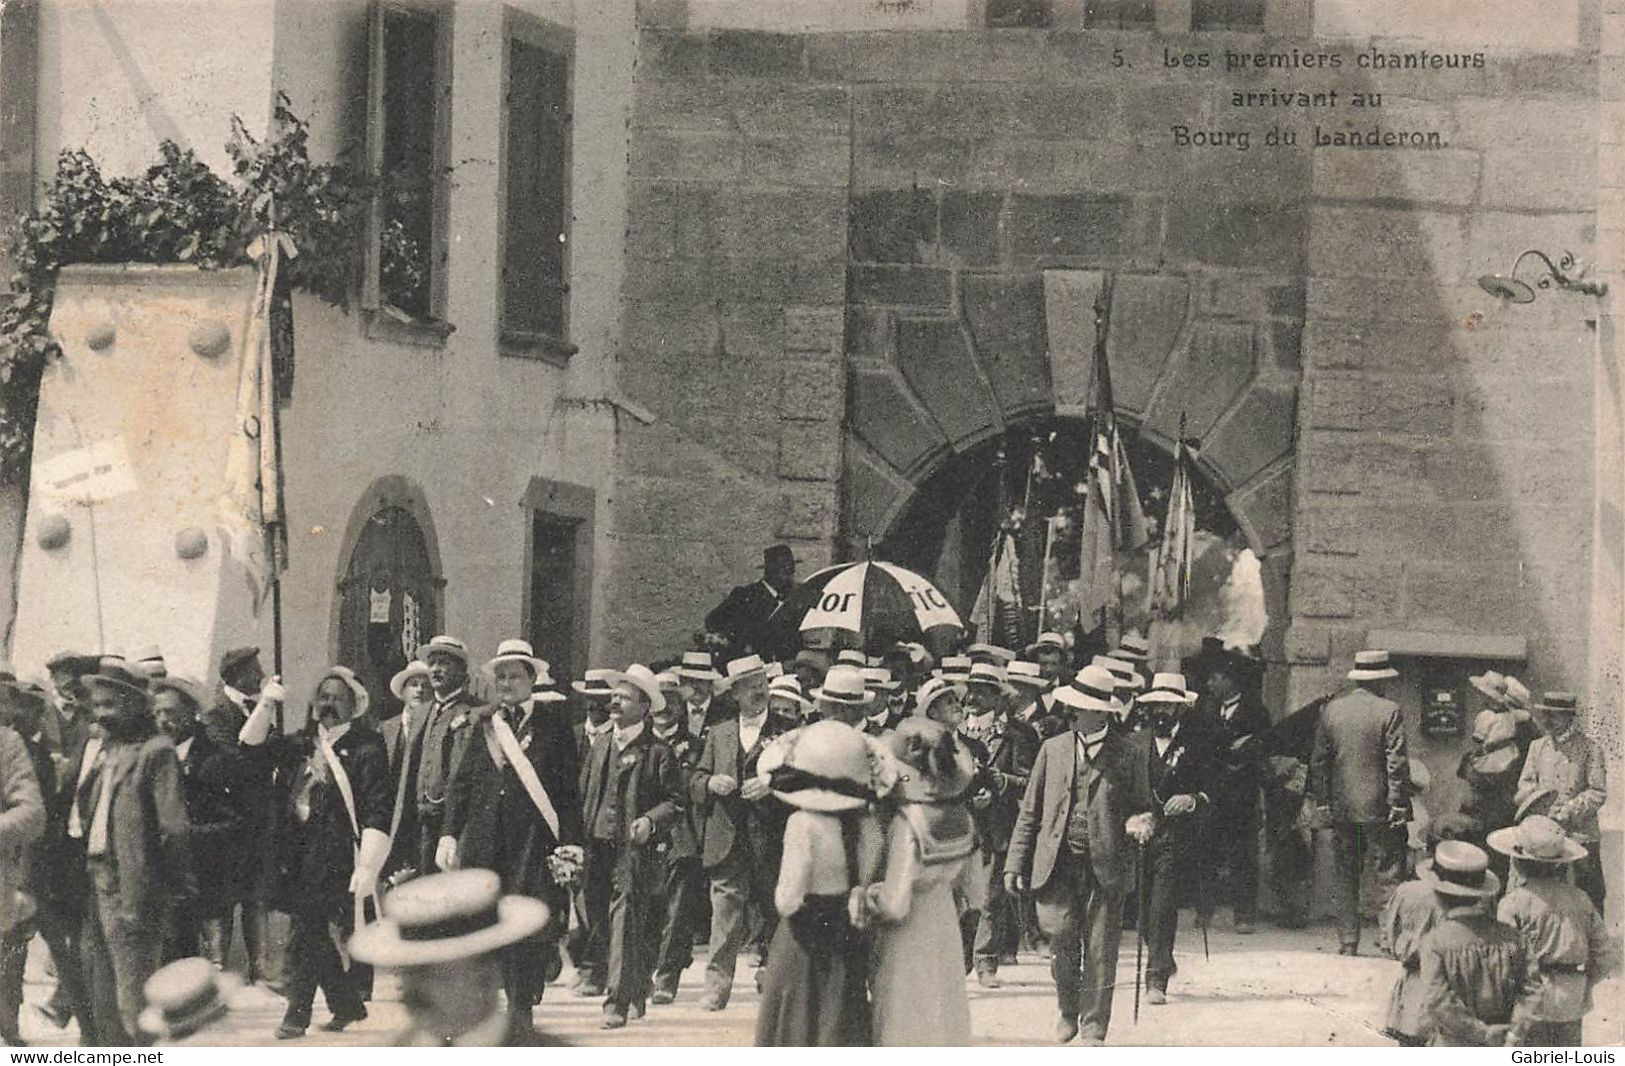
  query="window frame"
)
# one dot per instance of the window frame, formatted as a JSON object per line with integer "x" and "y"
{"x": 383, "y": 320}
{"x": 558, "y": 40}
{"x": 577, "y": 504}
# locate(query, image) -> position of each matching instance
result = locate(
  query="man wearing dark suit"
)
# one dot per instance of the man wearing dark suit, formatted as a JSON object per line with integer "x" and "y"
{"x": 67, "y": 728}
{"x": 208, "y": 774}
{"x": 330, "y": 809}
{"x": 1011, "y": 746}
{"x": 26, "y": 779}
{"x": 1235, "y": 720}
{"x": 131, "y": 811}
{"x": 403, "y": 740}
{"x": 676, "y": 898}
{"x": 749, "y": 616}
{"x": 445, "y": 740}
{"x": 632, "y": 793}
{"x": 743, "y": 824}
{"x": 1178, "y": 754}
{"x": 494, "y": 822}
{"x": 1360, "y": 778}
{"x": 1086, "y": 796}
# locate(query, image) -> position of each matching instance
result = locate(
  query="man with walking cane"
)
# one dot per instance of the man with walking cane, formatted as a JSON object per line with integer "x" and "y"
{"x": 1086, "y": 796}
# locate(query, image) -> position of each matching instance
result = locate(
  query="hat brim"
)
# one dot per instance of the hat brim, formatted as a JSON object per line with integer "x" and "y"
{"x": 657, "y": 699}
{"x": 1548, "y": 708}
{"x": 1506, "y": 842}
{"x": 691, "y": 674}
{"x": 397, "y": 684}
{"x": 1029, "y": 680}
{"x": 588, "y": 688}
{"x": 426, "y": 650}
{"x": 1478, "y": 682}
{"x": 1068, "y": 696}
{"x": 1167, "y": 697}
{"x": 1384, "y": 674}
{"x": 842, "y": 698}
{"x": 94, "y": 680}
{"x": 538, "y": 667}
{"x": 1491, "y": 885}
{"x": 381, "y": 943}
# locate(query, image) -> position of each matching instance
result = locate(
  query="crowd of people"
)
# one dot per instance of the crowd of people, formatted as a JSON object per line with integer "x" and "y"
{"x": 871, "y": 828}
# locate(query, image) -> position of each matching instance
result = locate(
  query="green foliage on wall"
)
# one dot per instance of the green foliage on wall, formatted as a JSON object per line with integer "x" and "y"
{"x": 181, "y": 212}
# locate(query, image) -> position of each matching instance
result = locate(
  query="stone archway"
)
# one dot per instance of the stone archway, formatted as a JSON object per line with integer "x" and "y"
{"x": 1016, "y": 349}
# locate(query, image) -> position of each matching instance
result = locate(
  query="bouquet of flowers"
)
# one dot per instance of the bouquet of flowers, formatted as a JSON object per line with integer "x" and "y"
{"x": 565, "y": 864}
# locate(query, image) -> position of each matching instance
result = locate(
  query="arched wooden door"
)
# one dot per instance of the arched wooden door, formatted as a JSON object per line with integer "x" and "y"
{"x": 389, "y": 602}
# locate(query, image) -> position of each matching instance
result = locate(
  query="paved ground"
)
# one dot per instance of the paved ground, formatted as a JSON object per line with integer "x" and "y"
{"x": 1272, "y": 988}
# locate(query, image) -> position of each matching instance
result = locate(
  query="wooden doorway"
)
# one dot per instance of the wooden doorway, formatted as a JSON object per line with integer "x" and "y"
{"x": 389, "y": 602}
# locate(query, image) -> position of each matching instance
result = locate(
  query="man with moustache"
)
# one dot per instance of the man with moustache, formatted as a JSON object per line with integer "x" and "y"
{"x": 330, "y": 809}
{"x": 743, "y": 824}
{"x": 208, "y": 773}
{"x": 675, "y": 900}
{"x": 698, "y": 676}
{"x": 446, "y": 738}
{"x": 511, "y": 805}
{"x": 130, "y": 811}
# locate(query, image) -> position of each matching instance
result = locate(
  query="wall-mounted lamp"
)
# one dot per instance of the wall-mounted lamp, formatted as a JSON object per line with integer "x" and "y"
{"x": 1565, "y": 273}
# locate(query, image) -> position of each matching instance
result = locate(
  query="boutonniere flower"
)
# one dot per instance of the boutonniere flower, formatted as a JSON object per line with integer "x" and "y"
{"x": 629, "y": 758}
{"x": 524, "y": 745}
{"x": 460, "y": 721}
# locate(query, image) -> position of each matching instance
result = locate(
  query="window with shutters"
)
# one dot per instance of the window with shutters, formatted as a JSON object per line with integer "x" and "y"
{"x": 535, "y": 254}
{"x": 1240, "y": 16}
{"x": 408, "y": 122}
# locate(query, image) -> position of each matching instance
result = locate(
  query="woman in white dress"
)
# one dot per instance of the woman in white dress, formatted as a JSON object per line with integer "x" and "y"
{"x": 917, "y": 980}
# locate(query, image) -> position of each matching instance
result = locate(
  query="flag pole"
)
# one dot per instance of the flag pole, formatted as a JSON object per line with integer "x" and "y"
{"x": 275, "y": 527}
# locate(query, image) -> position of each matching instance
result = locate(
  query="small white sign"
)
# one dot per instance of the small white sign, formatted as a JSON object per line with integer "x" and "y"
{"x": 91, "y": 474}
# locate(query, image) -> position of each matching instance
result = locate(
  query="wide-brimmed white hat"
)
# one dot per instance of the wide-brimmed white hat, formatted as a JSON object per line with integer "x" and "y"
{"x": 933, "y": 690}
{"x": 415, "y": 668}
{"x": 1491, "y": 683}
{"x": 789, "y": 687}
{"x": 1091, "y": 690}
{"x": 357, "y": 689}
{"x": 844, "y": 684}
{"x": 698, "y": 666}
{"x": 519, "y": 651}
{"x": 954, "y": 667}
{"x": 1539, "y": 839}
{"x": 1168, "y": 688}
{"x": 1372, "y": 665}
{"x": 743, "y": 667}
{"x": 595, "y": 682}
{"x": 447, "y": 916}
{"x": 852, "y": 657}
{"x": 643, "y": 679}
{"x": 190, "y": 690}
{"x": 444, "y": 645}
{"x": 879, "y": 678}
{"x": 990, "y": 653}
{"x": 827, "y": 766}
{"x": 1132, "y": 648}
{"x": 1460, "y": 869}
{"x": 1047, "y": 640}
{"x": 1021, "y": 672}
{"x": 990, "y": 675}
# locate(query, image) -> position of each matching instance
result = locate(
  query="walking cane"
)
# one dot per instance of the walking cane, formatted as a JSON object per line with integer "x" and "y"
{"x": 1139, "y": 927}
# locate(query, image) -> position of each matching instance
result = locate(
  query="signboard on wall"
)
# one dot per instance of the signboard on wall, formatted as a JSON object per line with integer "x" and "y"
{"x": 97, "y": 472}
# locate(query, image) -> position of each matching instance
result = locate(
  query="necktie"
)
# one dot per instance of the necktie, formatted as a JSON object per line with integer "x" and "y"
{"x": 90, "y": 762}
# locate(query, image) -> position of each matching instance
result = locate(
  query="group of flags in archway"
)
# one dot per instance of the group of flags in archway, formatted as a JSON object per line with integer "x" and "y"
{"x": 1113, "y": 527}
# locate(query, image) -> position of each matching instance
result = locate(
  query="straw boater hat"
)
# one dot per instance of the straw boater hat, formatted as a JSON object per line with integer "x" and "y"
{"x": 185, "y": 996}
{"x": 991, "y": 676}
{"x": 1460, "y": 869}
{"x": 1047, "y": 640}
{"x": 744, "y": 666}
{"x": 415, "y": 668}
{"x": 1021, "y": 672}
{"x": 827, "y": 766}
{"x": 879, "y": 679}
{"x": 594, "y": 683}
{"x": 1090, "y": 690}
{"x": 698, "y": 666}
{"x": 789, "y": 687}
{"x": 912, "y": 744}
{"x": 1491, "y": 684}
{"x": 933, "y": 690}
{"x": 1133, "y": 648}
{"x": 1554, "y": 703}
{"x": 641, "y": 678}
{"x": 851, "y": 657}
{"x": 954, "y": 667}
{"x": 150, "y": 661}
{"x": 112, "y": 671}
{"x": 189, "y": 690}
{"x": 844, "y": 684}
{"x": 353, "y": 683}
{"x": 519, "y": 651}
{"x": 1124, "y": 673}
{"x": 444, "y": 917}
{"x": 540, "y": 693}
{"x": 1538, "y": 839}
{"x": 989, "y": 653}
{"x": 774, "y": 669}
{"x": 444, "y": 645}
{"x": 1372, "y": 665}
{"x": 1168, "y": 688}
{"x": 669, "y": 682}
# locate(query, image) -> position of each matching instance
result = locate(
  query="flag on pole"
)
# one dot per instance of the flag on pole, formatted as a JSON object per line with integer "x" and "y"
{"x": 1171, "y": 561}
{"x": 250, "y": 509}
{"x": 1113, "y": 520}
{"x": 997, "y": 613}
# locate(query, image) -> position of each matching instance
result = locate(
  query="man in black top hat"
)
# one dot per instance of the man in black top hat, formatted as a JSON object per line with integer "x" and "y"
{"x": 748, "y": 616}
{"x": 1233, "y": 719}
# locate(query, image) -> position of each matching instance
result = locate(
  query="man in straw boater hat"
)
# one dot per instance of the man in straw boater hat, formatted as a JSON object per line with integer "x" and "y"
{"x": 676, "y": 895}
{"x": 1570, "y": 764}
{"x": 786, "y": 700}
{"x": 1479, "y": 979}
{"x": 1086, "y": 798}
{"x": 447, "y": 736}
{"x": 1563, "y": 931}
{"x": 1359, "y": 776}
{"x": 743, "y": 825}
{"x": 448, "y": 937}
{"x": 1010, "y": 746}
{"x": 1136, "y": 651}
{"x": 881, "y": 717}
{"x": 511, "y": 804}
{"x": 1502, "y": 734}
{"x": 331, "y": 795}
{"x": 131, "y": 814}
{"x": 403, "y": 740}
{"x": 699, "y": 678}
{"x": 208, "y": 774}
{"x": 1050, "y": 652}
{"x": 632, "y": 796}
{"x": 1235, "y": 719}
{"x": 1179, "y": 764}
